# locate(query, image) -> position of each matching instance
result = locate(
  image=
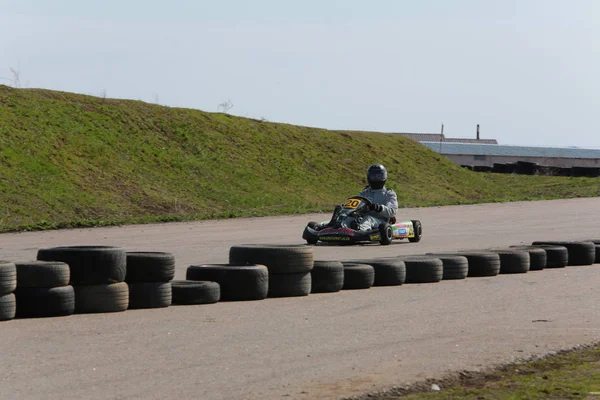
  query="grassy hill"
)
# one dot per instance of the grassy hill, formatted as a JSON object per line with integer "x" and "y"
{"x": 73, "y": 160}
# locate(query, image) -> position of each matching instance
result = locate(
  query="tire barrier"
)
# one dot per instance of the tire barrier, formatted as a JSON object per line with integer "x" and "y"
{"x": 148, "y": 276}
{"x": 195, "y": 292}
{"x": 580, "y": 253}
{"x": 556, "y": 256}
{"x": 43, "y": 289}
{"x": 538, "y": 258}
{"x": 454, "y": 266}
{"x": 281, "y": 260}
{"x": 358, "y": 276}
{"x": 237, "y": 282}
{"x": 97, "y": 274}
{"x": 327, "y": 277}
{"x": 50, "y": 286}
{"x": 388, "y": 271}
{"x": 423, "y": 269}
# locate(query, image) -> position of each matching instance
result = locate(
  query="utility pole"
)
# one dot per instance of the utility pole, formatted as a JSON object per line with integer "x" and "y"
{"x": 441, "y": 138}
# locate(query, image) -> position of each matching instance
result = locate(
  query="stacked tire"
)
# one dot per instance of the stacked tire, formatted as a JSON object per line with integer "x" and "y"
{"x": 580, "y": 253}
{"x": 327, "y": 276}
{"x": 236, "y": 282}
{"x": 149, "y": 276}
{"x": 289, "y": 266}
{"x": 97, "y": 274}
{"x": 8, "y": 284}
{"x": 43, "y": 289}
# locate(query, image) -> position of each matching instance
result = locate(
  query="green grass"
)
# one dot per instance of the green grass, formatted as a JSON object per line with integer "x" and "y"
{"x": 572, "y": 375}
{"x": 70, "y": 160}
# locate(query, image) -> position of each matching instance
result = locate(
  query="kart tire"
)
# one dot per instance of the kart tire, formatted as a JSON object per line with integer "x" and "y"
{"x": 237, "y": 282}
{"x": 8, "y": 277}
{"x": 386, "y": 234}
{"x": 327, "y": 277}
{"x": 195, "y": 292}
{"x": 290, "y": 285}
{"x": 149, "y": 267}
{"x": 89, "y": 265}
{"x": 149, "y": 295}
{"x": 8, "y": 307}
{"x": 482, "y": 263}
{"x": 358, "y": 276}
{"x": 113, "y": 297}
{"x": 388, "y": 271}
{"x": 423, "y": 269}
{"x": 455, "y": 266}
{"x": 279, "y": 259}
{"x": 42, "y": 274}
{"x": 513, "y": 261}
{"x": 418, "y": 228}
{"x": 580, "y": 253}
{"x": 309, "y": 237}
{"x": 39, "y": 302}
{"x": 556, "y": 256}
{"x": 537, "y": 257}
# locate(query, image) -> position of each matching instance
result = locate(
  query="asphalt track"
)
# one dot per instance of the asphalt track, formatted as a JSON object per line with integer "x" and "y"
{"x": 320, "y": 346}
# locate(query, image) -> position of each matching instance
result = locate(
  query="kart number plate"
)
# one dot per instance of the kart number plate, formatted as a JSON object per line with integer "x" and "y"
{"x": 351, "y": 203}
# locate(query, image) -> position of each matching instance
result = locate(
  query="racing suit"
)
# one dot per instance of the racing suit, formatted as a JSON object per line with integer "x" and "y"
{"x": 388, "y": 200}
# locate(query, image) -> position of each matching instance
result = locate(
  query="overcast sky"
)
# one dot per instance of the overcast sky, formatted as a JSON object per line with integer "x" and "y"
{"x": 527, "y": 71}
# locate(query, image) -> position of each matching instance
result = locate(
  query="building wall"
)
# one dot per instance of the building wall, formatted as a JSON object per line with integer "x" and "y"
{"x": 553, "y": 162}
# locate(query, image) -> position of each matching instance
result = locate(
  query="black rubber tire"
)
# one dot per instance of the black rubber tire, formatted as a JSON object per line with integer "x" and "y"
{"x": 423, "y": 269}
{"x": 8, "y": 307}
{"x": 455, "y": 266}
{"x": 42, "y": 274}
{"x": 149, "y": 267}
{"x": 237, "y": 282}
{"x": 580, "y": 253}
{"x": 149, "y": 295}
{"x": 8, "y": 277}
{"x": 388, "y": 271}
{"x": 290, "y": 285}
{"x": 113, "y": 297}
{"x": 327, "y": 277}
{"x": 386, "y": 235}
{"x": 39, "y": 302}
{"x": 309, "y": 237}
{"x": 537, "y": 257}
{"x": 481, "y": 263}
{"x": 418, "y": 227}
{"x": 556, "y": 256}
{"x": 89, "y": 265}
{"x": 195, "y": 292}
{"x": 279, "y": 259}
{"x": 597, "y": 244}
{"x": 513, "y": 261}
{"x": 358, "y": 276}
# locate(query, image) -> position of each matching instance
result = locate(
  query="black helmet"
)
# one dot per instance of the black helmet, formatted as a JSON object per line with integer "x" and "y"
{"x": 376, "y": 176}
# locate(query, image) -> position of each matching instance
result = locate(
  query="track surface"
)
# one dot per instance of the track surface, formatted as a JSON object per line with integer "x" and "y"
{"x": 320, "y": 346}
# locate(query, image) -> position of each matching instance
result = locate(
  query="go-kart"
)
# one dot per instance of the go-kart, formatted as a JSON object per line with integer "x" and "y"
{"x": 343, "y": 226}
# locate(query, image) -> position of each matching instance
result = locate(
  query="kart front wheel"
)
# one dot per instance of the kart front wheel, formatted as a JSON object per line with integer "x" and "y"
{"x": 418, "y": 231}
{"x": 386, "y": 234}
{"x": 308, "y": 236}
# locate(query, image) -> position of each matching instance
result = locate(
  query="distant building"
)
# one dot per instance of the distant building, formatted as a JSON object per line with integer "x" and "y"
{"x": 489, "y": 154}
{"x": 439, "y": 137}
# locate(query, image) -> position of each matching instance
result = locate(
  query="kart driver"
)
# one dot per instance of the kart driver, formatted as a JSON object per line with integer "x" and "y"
{"x": 385, "y": 201}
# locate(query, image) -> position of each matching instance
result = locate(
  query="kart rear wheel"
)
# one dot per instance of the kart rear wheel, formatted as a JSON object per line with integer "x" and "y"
{"x": 308, "y": 236}
{"x": 386, "y": 235}
{"x": 418, "y": 231}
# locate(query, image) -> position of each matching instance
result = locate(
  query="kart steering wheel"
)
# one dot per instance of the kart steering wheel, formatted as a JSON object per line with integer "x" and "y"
{"x": 366, "y": 200}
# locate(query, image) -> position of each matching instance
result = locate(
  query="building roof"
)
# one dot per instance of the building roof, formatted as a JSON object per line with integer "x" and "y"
{"x": 512, "y": 151}
{"x": 438, "y": 137}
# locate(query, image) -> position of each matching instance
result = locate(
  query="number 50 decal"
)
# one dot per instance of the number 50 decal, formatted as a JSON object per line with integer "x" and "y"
{"x": 351, "y": 203}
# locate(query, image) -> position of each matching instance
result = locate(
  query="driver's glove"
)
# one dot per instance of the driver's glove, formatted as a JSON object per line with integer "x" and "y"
{"x": 375, "y": 207}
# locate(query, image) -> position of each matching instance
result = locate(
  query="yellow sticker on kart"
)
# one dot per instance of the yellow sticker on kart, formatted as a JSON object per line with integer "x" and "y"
{"x": 351, "y": 203}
